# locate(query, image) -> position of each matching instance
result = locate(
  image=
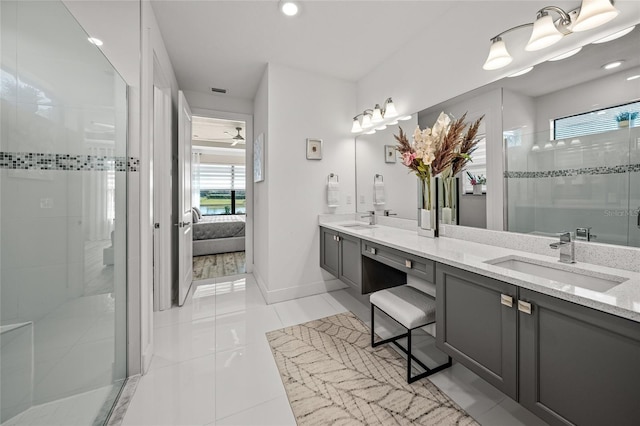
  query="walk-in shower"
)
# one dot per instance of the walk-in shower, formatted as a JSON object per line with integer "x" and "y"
{"x": 63, "y": 222}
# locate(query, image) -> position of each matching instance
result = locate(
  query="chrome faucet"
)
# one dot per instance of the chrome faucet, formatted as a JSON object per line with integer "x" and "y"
{"x": 567, "y": 248}
{"x": 371, "y": 216}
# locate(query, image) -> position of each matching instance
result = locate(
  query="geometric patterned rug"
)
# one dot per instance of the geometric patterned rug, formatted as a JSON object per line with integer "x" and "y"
{"x": 333, "y": 376}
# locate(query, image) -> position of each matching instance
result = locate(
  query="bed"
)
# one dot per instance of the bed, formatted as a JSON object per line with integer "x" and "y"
{"x": 218, "y": 234}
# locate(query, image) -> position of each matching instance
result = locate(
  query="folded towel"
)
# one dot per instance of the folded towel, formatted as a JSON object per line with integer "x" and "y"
{"x": 333, "y": 194}
{"x": 378, "y": 193}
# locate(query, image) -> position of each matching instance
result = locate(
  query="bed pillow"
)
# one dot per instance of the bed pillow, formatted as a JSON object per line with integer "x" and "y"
{"x": 198, "y": 212}
{"x": 194, "y": 216}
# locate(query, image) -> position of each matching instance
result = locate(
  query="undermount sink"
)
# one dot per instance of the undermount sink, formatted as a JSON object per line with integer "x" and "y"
{"x": 358, "y": 226}
{"x": 560, "y": 273}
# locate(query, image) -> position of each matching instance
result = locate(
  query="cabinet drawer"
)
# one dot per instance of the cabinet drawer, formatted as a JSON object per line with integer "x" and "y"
{"x": 405, "y": 262}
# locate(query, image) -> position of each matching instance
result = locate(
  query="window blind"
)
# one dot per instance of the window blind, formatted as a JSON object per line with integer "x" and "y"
{"x": 221, "y": 177}
{"x": 603, "y": 120}
{"x": 478, "y": 165}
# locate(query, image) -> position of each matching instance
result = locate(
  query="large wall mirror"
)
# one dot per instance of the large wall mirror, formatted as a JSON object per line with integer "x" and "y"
{"x": 559, "y": 154}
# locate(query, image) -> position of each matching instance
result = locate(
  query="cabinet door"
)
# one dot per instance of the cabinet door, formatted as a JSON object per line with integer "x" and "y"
{"x": 350, "y": 261}
{"x": 578, "y": 365}
{"x": 475, "y": 328}
{"x": 329, "y": 251}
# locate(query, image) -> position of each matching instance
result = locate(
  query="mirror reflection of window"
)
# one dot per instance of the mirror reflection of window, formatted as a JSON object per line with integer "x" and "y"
{"x": 478, "y": 166}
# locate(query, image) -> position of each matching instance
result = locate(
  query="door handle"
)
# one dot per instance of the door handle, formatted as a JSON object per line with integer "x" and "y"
{"x": 638, "y": 216}
{"x": 506, "y": 300}
{"x": 524, "y": 307}
{"x": 186, "y": 223}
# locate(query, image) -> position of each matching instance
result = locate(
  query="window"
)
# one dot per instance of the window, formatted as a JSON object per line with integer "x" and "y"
{"x": 478, "y": 166}
{"x": 222, "y": 189}
{"x": 588, "y": 123}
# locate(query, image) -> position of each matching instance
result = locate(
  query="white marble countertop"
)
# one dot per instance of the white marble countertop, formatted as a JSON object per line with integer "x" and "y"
{"x": 622, "y": 300}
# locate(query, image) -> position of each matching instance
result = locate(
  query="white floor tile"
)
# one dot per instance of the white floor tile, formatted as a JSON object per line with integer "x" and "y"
{"x": 509, "y": 413}
{"x": 180, "y": 394}
{"x": 195, "y": 308}
{"x": 240, "y": 293}
{"x": 298, "y": 311}
{"x": 344, "y": 301}
{"x": 242, "y": 328}
{"x": 276, "y": 412}
{"x": 245, "y": 377}
{"x": 184, "y": 341}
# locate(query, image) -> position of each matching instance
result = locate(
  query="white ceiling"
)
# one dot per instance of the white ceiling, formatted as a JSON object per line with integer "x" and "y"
{"x": 227, "y": 44}
{"x": 218, "y": 133}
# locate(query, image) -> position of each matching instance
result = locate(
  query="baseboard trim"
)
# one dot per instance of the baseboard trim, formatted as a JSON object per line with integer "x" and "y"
{"x": 296, "y": 292}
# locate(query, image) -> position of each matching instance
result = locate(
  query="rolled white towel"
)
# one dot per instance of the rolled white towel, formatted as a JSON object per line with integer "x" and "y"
{"x": 378, "y": 193}
{"x": 333, "y": 194}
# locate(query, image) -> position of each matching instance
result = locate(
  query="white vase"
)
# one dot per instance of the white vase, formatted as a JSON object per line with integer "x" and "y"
{"x": 426, "y": 219}
{"x": 623, "y": 123}
{"x": 447, "y": 214}
{"x": 477, "y": 189}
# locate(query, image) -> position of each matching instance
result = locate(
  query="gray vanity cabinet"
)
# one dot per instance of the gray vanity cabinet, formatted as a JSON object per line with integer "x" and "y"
{"x": 476, "y": 324}
{"x": 330, "y": 251}
{"x": 578, "y": 366}
{"x": 340, "y": 255}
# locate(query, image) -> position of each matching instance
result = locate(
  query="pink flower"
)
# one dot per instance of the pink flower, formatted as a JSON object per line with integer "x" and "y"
{"x": 408, "y": 157}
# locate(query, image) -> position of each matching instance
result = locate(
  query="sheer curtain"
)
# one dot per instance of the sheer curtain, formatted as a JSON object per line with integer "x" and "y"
{"x": 195, "y": 179}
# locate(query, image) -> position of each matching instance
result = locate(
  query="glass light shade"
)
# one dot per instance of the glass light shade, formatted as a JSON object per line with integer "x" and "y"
{"x": 356, "y": 126}
{"x": 519, "y": 73}
{"x": 366, "y": 121}
{"x": 377, "y": 114}
{"x": 535, "y": 147}
{"x": 390, "y": 109}
{"x": 384, "y": 126}
{"x": 370, "y": 132}
{"x": 498, "y": 56}
{"x": 544, "y": 34}
{"x": 594, "y": 13}
{"x": 405, "y": 118}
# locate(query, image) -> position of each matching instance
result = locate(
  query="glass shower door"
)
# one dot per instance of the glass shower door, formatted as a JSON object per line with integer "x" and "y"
{"x": 63, "y": 178}
{"x": 634, "y": 187}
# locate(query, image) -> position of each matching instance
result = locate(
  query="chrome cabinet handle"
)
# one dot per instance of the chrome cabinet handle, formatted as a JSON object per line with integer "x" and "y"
{"x": 506, "y": 300}
{"x": 337, "y": 238}
{"x": 408, "y": 264}
{"x": 372, "y": 250}
{"x": 524, "y": 307}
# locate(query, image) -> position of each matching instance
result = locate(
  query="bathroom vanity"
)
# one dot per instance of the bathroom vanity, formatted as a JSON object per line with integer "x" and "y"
{"x": 567, "y": 353}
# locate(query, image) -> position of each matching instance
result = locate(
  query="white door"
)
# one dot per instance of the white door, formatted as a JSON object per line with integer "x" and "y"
{"x": 185, "y": 236}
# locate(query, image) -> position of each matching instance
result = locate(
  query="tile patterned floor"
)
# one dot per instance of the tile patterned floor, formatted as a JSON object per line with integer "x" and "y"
{"x": 219, "y": 265}
{"x": 213, "y": 366}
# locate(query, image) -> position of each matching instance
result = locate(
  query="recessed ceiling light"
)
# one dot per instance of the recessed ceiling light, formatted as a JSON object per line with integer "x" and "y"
{"x": 289, "y": 8}
{"x": 612, "y": 65}
{"x": 95, "y": 41}
{"x": 566, "y": 55}
{"x": 633, "y": 77}
{"x": 519, "y": 73}
{"x": 615, "y": 35}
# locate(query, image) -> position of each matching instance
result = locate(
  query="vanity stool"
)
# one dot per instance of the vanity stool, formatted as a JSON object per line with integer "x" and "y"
{"x": 412, "y": 309}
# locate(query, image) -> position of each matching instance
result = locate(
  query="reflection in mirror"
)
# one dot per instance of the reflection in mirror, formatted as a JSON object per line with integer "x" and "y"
{"x": 395, "y": 188}
{"x": 562, "y": 145}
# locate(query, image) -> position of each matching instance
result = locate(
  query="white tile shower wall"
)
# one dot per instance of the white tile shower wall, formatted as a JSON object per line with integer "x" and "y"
{"x": 620, "y": 257}
{"x": 16, "y": 369}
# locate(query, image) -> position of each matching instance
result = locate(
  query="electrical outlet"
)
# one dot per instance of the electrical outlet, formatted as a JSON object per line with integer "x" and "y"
{"x": 46, "y": 203}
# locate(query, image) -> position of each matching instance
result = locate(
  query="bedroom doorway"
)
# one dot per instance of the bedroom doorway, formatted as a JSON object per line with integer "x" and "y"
{"x": 219, "y": 197}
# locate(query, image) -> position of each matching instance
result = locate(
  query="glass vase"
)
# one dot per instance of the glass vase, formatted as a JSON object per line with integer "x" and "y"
{"x": 427, "y": 210}
{"x": 448, "y": 200}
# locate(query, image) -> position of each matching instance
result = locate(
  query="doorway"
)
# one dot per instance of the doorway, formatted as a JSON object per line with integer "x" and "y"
{"x": 219, "y": 197}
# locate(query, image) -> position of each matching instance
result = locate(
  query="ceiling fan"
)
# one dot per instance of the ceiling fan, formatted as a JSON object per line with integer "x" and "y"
{"x": 237, "y": 138}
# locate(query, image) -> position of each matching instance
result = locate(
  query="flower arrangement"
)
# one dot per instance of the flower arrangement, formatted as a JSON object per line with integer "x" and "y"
{"x": 477, "y": 180}
{"x": 626, "y": 116}
{"x": 443, "y": 150}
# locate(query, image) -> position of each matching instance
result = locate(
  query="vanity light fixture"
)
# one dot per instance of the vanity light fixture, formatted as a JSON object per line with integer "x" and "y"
{"x": 615, "y": 36}
{"x": 594, "y": 13}
{"x": 566, "y": 55}
{"x": 548, "y": 145}
{"x": 95, "y": 41}
{"x": 384, "y": 126}
{"x": 560, "y": 143}
{"x": 535, "y": 147}
{"x": 289, "y": 8}
{"x": 519, "y": 73}
{"x": 375, "y": 116}
{"x": 575, "y": 141}
{"x": 370, "y": 132}
{"x": 548, "y": 31}
{"x": 633, "y": 77}
{"x": 612, "y": 65}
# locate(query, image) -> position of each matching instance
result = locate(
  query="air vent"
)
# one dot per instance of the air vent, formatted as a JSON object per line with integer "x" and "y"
{"x": 215, "y": 89}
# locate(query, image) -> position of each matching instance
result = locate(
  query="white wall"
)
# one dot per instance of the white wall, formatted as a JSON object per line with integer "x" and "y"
{"x": 300, "y": 105}
{"x": 401, "y": 186}
{"x": 218, "y": 102}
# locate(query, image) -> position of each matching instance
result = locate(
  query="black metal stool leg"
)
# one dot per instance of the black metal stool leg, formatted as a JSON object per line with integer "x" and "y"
{"x": 409, "y": 356}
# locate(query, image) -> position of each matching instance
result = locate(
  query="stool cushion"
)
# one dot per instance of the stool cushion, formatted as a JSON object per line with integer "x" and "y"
{"x": 407, "y": 305}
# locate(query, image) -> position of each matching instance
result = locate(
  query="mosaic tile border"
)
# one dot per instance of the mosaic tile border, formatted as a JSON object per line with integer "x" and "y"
{"x": 67, "y": 162}
{"x": 603, "y": 170}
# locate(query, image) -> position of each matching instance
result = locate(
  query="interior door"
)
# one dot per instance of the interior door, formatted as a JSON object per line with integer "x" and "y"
{"x": 185, "y": 235}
